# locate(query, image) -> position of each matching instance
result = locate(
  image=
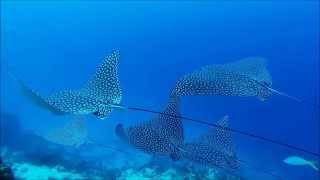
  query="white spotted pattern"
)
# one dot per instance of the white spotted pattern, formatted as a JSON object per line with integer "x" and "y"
{"x": 155, "y": 136}
{"x": 242, "y": 78}
{"x": 73, "y": 133}
{"x": 213, "y": 149}
{"x": 96, "y": 97}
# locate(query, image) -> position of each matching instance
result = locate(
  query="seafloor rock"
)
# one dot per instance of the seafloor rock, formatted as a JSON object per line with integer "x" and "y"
{"x": 171, "y": 174}
{"x": 5, "y": 172}
{"x": 131, "y": 174}
{"x": 150, "y": 173}
{"x": 211, "y": 174}
{"x": 28, "y": 171}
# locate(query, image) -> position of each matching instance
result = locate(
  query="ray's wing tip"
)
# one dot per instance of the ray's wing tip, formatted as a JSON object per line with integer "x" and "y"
{"x": 113, "y": 57}
{"x": 257, "y": 58}
{"x": 224, "y": 121}
{"x": 262, "y": 61}
{"x": 226, "y": 117}
{"x": 115, "y": 52}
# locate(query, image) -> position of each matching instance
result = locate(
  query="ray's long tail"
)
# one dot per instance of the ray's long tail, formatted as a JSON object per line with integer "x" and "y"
{"x": 283, "y": 94}
{"x": 244, "y": 133}
{"x": 105, "y": 146}
{"x": 294, "y": 98}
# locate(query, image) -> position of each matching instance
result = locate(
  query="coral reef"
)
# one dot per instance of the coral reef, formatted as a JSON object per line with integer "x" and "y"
{"x": 24, "y": 168}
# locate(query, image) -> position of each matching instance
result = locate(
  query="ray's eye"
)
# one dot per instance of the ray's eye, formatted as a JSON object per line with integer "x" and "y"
{"x": 97, "y": 113}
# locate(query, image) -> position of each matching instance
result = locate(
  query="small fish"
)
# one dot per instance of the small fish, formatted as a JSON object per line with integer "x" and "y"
{"x": 154, "y": 136}
{"x": 299, "y": 161}
{"x": 98, "y": 96}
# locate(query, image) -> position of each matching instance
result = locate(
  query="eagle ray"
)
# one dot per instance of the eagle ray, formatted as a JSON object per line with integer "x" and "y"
{"x": 154, "y": 136}
{"x": 246, "y": 77}
{"x": 103, "y": 87}
{"x": 91, "y": 98}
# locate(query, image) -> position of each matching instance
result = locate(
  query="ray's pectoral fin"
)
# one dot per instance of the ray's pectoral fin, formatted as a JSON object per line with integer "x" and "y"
{"x": 36, "y": 98}
{"x": 99, "y": 96}
{"x": 105, "y": 84}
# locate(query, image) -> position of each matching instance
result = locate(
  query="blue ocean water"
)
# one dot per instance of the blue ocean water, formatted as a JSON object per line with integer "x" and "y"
{"x": 58, "y": 45}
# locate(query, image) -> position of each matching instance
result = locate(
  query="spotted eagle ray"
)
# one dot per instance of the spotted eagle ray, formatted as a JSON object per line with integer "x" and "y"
{"x": 246, "y": 77}
{"x": 106, "y": 80}
{"x": 216, "y": 149}
{"x": 98, "y": 96}
{"x": 154, "y": 136}
{"x": 213, "y": 149}
{"x": 74, "y": 134}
